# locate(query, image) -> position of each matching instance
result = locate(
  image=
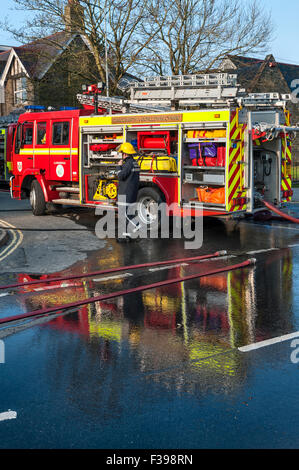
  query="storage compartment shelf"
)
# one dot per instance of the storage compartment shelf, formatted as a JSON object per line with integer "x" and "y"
{"x": 156, "y": 151}
{"x": 100, "y": 157}
{"x": 106, "y": 141}
{"x": 192, "y": 167}
{"x": 203, "y": 183}
{"x": 97, "y": 163}
{"x": 193, "y": 204}
{"x": 192, "y": 140}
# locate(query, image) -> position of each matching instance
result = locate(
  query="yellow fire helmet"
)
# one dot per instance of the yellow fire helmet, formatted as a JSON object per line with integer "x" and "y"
{"x": 126, "y": 147}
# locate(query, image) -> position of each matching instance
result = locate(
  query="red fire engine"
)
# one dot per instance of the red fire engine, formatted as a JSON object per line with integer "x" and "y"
{"x": 219, "y": 155}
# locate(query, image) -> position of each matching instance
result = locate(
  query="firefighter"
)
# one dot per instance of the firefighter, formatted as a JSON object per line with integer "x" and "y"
{"x": 128, "y": 177}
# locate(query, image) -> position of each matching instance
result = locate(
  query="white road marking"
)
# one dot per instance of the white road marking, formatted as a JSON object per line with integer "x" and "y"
{"x": 261, "y": 251}
{"x": 268, "y": 342}
{"x": 223, "y": 257}
{"x": 8, "y": 415}
{"x": 152, "y": 270}
{"x": 55, "y": 286}
{"x": 215, "y": 259}
{"x": 110, "y": 278}
{"x": 16, "y": 241}
{"x": 282, "y": 226}
{"x": 270, "y": 226}
{"x": 3, "y": 295}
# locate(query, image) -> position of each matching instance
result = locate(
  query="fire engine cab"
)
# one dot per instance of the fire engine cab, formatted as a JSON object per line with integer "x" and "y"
{"x": 201, "y": 142}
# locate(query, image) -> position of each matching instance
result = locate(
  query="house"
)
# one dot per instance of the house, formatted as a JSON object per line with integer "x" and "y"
{"x": 267, "y": 75}
{"x": 49, "y": 72}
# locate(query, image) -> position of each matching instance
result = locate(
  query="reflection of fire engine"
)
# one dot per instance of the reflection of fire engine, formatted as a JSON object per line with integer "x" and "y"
{"x": 219, "y": 155}
{"x": 194, "y": 320}
{"x": 52, "y": 293}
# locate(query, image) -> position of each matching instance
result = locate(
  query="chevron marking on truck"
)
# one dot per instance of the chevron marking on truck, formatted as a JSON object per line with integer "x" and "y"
{"x": 286, "y": 166}
{"x": 236, "y": 169}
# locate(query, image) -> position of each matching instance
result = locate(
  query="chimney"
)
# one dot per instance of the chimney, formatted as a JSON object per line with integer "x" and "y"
{"x": 74, "y": 17}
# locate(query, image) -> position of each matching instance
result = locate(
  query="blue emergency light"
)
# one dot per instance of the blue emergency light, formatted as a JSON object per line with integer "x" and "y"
{"x": 34, "y": 107}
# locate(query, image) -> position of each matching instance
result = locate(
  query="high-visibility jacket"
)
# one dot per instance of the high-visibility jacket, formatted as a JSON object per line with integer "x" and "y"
{"x": 128, "y": 177}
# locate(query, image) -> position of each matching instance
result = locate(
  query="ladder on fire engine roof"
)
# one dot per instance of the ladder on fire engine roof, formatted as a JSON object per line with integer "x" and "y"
{"x": 120, "y": 104}
{"x": 160, "y": 94}
{"x": 216, "y": 89}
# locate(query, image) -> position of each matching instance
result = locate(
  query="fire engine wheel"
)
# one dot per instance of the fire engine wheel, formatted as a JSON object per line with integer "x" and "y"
{"x": 148, "y": 201}
{"x": 37, "y": 199}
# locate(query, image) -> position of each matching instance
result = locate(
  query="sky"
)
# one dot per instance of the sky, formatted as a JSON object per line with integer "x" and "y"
{"x": 285, "y": 14}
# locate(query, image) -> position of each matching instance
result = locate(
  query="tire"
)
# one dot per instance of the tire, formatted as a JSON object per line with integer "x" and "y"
{"x": 53, "y": 207}
{"x": 37, "y": 199}
{"x": 148, "y": 200}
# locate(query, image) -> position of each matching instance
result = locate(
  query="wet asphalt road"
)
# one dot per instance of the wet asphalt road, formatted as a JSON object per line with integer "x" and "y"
{"x": 161, "y": 369}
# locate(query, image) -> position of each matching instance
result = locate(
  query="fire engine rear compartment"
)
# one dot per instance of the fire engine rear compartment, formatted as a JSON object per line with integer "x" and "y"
{"x": 214, "y": 164}
{"x": 165, "y": 155}
{"x": 203, "y": 165}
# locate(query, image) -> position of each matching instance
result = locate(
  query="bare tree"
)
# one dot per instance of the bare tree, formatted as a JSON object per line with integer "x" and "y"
{"x": 150, "y": 36}
{"x": 193, "y": 35}
{"x": 113, "y": 23}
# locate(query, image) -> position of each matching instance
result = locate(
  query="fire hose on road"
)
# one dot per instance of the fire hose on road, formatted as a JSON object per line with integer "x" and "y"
{"x": 79, "y": 303}
{"x": 115, "y": 270}
{"x": 272, "y": 208}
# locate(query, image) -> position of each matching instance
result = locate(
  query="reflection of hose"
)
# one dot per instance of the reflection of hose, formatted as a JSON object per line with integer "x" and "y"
{"x": 282, "y": 214}
{"x": 115, "y": 270}
{"x": 100, "y": 298}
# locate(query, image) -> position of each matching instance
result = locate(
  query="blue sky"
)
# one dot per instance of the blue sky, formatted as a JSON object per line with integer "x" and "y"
{"x": 285, "y": 15}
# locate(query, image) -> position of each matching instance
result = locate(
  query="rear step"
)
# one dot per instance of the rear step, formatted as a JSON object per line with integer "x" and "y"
{"x": 71, "y": 202}
{"x": 67, "y": 189}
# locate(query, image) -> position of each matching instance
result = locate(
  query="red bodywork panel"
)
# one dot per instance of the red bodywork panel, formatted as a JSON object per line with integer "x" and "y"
{"x": 49, "y": 150}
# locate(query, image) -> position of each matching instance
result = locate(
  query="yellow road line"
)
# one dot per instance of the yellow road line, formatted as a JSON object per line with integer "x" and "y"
{"x": 17, "y": 238}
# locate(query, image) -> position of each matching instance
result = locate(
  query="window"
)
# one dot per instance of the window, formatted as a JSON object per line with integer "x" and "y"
{"x": 20, "y": 90}
{"x": 28, "y": 133}
{"x": 24, "y": 135}
{"x": 18, "y": 139}
{"x": 41, "y": 133}
{"x": 60, "y": 133}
